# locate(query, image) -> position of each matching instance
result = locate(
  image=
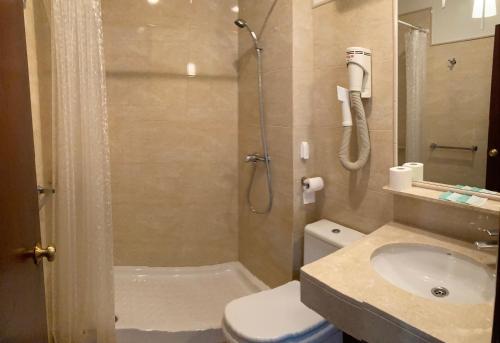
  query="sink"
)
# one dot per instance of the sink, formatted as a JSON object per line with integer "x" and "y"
{"x": 435, "y": 273}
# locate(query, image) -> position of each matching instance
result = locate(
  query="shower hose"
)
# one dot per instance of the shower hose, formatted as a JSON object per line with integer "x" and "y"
{"x": 363, "y": 136}
{"x": 265, "y": 146}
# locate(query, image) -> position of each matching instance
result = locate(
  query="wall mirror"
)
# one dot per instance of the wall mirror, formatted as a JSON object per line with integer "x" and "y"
{"x": 448, "y": 115}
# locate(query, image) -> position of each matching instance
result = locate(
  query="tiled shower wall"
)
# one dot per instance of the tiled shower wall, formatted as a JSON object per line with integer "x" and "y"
{"x": 265, "y": 241}
{"x": 173, "y": 137}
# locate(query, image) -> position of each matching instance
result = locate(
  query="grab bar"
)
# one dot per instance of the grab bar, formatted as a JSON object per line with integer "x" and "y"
{"x": 45, "y": 190}
{"x": 435, "y": 146}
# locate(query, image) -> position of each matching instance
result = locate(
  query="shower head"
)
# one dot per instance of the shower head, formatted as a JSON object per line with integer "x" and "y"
{"x": 241, "y": 23}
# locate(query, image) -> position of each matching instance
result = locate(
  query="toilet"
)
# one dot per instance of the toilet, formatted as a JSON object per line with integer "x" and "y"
{"x": 278, "y": 315}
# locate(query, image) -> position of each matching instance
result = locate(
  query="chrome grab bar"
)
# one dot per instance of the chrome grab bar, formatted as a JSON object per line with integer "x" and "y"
{"x": 473, "y": 148}
{"x": 45, "y": 190}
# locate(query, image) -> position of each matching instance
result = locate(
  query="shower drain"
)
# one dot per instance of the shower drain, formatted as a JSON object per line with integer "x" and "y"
{"x": 440, "y": 292}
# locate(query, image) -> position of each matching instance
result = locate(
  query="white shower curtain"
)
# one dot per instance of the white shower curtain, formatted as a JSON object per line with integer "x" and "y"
{"x": 82, "y": 289}
{"x": 416, "y": 55}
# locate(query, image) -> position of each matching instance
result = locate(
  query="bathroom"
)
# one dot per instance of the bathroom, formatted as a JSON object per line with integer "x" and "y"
{"x": 186, "y": 170}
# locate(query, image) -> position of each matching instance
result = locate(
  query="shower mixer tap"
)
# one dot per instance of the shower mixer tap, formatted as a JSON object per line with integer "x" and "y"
{"x": 254, "y": 158}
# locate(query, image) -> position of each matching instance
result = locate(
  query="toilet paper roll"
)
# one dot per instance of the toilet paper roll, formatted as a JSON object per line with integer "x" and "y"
{"x": 314, "y": 184}
{"x": 400, "y": 178}
{"x": 417, "y": 169}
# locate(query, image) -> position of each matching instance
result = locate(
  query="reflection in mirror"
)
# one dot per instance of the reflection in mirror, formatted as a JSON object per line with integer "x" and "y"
{"x": 445, "y": 77}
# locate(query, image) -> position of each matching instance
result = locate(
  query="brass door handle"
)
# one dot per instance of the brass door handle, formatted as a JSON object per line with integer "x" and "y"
{"x": 493, "y": 152}
{"x": 38, "y": 253}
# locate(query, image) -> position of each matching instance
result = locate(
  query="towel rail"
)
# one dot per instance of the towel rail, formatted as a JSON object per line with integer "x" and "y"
{"x": 473, "y": 148}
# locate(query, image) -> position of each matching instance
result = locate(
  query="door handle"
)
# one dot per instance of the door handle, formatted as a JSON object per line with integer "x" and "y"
{"x": 38, "y": 253}
{"x": 493, "y": 152}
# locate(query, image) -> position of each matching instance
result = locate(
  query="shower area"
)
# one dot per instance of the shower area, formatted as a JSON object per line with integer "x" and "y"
{"x": 197, "y": 102}
{"x": 172, "y": 98}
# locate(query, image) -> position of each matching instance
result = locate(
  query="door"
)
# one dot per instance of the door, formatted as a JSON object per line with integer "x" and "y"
{"x": 22, "y": 302}
{"x": 493, "y": 162}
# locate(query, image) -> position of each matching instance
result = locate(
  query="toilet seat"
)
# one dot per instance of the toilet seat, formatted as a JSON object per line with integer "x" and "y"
{"x": 275, "y": 315}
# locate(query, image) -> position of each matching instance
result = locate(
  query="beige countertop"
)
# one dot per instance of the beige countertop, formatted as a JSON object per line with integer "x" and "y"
{"x": 348, "y": 273}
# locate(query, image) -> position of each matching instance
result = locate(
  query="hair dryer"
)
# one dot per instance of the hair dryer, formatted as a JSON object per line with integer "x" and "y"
{"x": 359, "y": 69}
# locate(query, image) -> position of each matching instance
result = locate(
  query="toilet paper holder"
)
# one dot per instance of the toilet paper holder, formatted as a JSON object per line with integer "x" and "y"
{"x": 304, "y": 183}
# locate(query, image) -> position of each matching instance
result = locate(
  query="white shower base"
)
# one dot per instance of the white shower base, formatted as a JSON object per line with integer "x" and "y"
{"x": 158, "y": 304}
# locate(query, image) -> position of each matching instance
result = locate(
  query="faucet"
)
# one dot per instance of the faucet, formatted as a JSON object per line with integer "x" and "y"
{"x": 491, "y": 244}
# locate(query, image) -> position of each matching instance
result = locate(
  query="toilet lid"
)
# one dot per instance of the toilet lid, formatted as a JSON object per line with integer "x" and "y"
{"x": 271, "y": 315}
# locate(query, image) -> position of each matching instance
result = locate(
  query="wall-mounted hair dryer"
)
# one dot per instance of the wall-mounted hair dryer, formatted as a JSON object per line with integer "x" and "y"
{"x": 359, "y": 68}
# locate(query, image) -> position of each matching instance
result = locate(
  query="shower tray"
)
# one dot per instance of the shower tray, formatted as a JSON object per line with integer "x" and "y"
{"x": 171, "y": 304}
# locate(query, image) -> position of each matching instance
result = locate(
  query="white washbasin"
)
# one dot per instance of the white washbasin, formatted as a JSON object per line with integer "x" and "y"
{"x": 435, "y": 273}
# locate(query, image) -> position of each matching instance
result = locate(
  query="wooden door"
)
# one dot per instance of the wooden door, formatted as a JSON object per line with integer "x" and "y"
{"x": 22, "y": 302}
{"x": 493, "y": 161}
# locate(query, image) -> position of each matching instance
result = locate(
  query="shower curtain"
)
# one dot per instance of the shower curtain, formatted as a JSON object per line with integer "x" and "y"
{"x": 82, "y": 288}
{"x": 416, "y": 55}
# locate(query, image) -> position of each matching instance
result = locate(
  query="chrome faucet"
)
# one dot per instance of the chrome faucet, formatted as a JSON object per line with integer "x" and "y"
{"x": 253, "y": 158}
{"x": 491, "y": 244}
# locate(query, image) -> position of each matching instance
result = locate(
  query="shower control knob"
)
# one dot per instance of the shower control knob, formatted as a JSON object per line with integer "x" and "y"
{"x": 493, "y": 152}
{"x": 253, "y": 158}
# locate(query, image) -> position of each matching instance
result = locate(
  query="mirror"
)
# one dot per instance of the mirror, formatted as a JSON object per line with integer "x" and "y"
{"x": 445, "y": 75}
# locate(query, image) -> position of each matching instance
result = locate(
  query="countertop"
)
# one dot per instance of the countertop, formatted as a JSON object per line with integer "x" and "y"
{"x": 348, "y": 273}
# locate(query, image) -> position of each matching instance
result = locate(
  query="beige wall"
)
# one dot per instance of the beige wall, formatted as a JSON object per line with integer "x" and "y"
{"x": 173, "y": 138}
{"x": 265, "y": 241}
{"x": 463, "y": 224}
{"x": 164, "y": 126}
{"x": 38, "y": 46}
{"x": 38, "y": 37}
{"x": 354, "y": 199}
{"x": 456, "y": 108}
{"x": 303, "y": 124}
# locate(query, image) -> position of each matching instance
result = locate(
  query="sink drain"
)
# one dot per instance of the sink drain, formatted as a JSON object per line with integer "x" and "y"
{"x": 440, "y": 292}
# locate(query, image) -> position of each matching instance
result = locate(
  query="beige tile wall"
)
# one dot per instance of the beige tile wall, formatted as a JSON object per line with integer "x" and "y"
{"x": 265, "y": 241}
{"x": 38, "y": 46}
{"x": 463, "y": 224}
{"x": 354, "y": 199}
{"x": 303, "y": 82}
{"x": 173, "y": 137}
{"x": 151, "y": 100}
{"x": 456, "y": 108}
{"x": 305, "y": 61}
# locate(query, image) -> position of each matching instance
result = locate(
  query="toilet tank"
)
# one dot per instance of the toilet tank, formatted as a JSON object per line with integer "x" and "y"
{"x": 324, "y": 237}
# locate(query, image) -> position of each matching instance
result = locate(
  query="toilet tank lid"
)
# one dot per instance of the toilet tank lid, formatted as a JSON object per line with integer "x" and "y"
{"x": 333, "y": 233}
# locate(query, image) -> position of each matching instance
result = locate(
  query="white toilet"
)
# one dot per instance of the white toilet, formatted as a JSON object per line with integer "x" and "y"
{"x": 278, "y": 315}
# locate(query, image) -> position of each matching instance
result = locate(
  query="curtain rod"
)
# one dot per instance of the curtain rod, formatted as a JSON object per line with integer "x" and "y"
{"x": 413, "y": 26}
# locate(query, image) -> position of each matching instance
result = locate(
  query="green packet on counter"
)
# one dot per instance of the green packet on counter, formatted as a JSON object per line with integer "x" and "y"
{"x": 465, "y": 199}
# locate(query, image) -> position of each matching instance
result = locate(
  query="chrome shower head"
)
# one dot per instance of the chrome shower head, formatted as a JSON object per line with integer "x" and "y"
{"x": 241, "y": 23}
